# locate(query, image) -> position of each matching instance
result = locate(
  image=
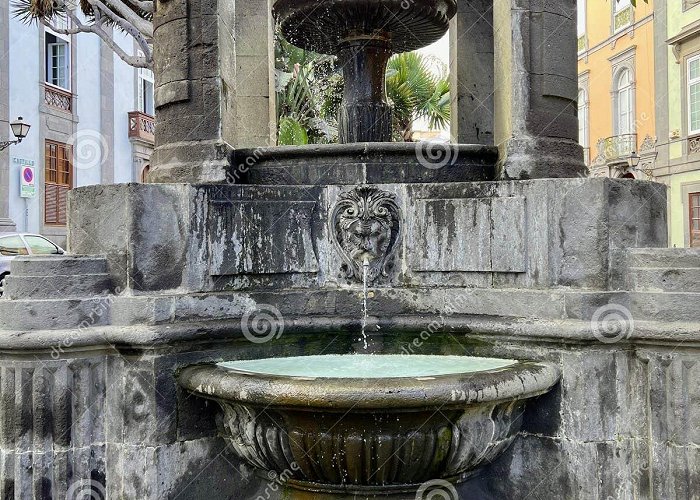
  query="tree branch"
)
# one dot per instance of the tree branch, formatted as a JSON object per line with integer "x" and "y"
{"x": 131, "y": 60}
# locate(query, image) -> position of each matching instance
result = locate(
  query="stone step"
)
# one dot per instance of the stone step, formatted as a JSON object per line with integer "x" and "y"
{"x": 665, "y": 258}
{"x": 57, "y": 286}
{"x": 682, "y": 279}
{"x": 57, "y": 314}
{"x": 59, "y": 265}
{"x": 665, "y": 306}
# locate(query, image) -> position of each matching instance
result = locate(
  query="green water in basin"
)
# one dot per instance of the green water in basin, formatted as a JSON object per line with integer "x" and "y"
{"x": 367, "y": 366}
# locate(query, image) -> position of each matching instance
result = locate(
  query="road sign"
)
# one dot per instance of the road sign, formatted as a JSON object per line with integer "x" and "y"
{"x": 27, "y": 182}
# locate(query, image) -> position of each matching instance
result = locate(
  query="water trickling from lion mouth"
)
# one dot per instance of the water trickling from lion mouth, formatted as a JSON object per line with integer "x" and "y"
{"x": 365, "y": 268}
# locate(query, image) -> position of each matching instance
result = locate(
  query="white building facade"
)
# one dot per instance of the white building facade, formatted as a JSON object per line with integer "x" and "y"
{"x": 91, "y": 116}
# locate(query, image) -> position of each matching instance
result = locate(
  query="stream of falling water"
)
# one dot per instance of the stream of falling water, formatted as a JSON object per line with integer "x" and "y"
{"x": 365, "y": 267}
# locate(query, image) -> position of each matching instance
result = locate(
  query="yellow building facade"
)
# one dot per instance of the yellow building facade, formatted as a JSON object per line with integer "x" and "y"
{"x": 617, "y": 109}
{"x": 678, "y": 116}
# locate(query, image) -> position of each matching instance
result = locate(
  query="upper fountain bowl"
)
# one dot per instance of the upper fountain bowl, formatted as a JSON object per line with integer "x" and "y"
{"x": 322, "y": 25}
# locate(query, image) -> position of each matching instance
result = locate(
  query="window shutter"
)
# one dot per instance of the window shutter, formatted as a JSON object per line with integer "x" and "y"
{"x": 58, "y": 180}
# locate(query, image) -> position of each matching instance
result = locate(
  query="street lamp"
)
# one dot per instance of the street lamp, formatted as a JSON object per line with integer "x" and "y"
{"x": 633, "y": 160}
{"x": 20, "y": 129}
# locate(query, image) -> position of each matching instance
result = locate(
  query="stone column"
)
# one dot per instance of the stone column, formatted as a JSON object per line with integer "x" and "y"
{"x": 6, "y": 224}
{"x": 536, "y": 122}
{"x": 213, "y": 85}
{"x": 471, "y": 72}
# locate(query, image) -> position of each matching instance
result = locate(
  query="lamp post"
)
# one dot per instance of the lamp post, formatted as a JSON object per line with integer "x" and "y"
{"x": 633, "y": 160}
{"x": 20, "y": 129}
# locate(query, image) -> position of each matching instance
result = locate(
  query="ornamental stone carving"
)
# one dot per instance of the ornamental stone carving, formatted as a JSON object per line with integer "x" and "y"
{"x": 365, "y": 228}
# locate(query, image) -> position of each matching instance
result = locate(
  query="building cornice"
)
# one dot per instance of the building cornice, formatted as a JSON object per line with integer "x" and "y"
{"x": 686, "y": 34}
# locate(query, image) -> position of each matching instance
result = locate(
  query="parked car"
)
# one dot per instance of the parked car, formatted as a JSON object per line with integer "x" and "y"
{"x": 15, "y": 244}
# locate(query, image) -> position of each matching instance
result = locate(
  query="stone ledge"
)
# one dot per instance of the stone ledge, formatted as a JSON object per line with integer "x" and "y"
{"x": 175, "y": 337}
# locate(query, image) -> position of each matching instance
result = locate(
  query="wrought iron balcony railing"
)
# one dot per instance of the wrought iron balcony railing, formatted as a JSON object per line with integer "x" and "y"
{"x": 617, "y": 147}
{"x": 58, "y": 98}
{"x": 142, "y": 126}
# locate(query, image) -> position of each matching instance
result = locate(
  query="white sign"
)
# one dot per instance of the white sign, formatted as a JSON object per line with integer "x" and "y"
{"x": 27, "y": 177}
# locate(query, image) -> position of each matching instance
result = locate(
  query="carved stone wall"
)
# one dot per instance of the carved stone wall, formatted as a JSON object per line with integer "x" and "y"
{"x": 527, "y": 234}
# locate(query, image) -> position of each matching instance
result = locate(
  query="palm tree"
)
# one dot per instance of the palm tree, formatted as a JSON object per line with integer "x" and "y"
{"x": 417, "y": 92}
{"x": 301, "y": 79}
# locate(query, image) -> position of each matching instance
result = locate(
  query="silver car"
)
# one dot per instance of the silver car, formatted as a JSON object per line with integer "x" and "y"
{"x": 15, "y": 244}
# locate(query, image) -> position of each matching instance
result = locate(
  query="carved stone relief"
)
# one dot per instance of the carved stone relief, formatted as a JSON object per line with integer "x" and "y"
{"x": 365, "y": 227}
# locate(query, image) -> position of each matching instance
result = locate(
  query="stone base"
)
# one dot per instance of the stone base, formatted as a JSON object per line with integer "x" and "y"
{"x": 517, "y": 269}
{"x": 196, "y": 161}
{"x": 541, "y": 158}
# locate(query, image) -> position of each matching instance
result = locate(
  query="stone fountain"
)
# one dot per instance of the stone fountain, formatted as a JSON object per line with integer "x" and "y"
{"x": 133, "y": 367}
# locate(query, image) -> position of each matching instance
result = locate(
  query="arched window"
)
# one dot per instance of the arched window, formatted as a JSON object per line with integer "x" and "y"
{"x": 144, "y": 173}
{"x": 623, "y": 104}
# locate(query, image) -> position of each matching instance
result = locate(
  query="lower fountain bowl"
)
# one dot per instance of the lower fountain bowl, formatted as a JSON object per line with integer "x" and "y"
{"x": 364, "y": 163}
{"x": 376, "y": 424}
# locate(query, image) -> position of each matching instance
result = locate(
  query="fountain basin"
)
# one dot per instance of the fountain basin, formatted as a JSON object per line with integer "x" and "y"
{"x": 360, "y": 163}
{"x": 374, "y": 424}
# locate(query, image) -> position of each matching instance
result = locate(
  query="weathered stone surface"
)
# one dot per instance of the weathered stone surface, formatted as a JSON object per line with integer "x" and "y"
{"x": 363, "y": 163}
{"x": 206, "y": 226}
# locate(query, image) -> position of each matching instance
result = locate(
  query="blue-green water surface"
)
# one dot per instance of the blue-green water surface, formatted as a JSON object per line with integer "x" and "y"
{"x": 367, "y": 366}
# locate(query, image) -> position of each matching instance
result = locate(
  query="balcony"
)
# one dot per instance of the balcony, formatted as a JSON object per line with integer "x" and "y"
{"x": 617, "y": 148}
{"x": 58, "y": 98}
{"x": 142, "y": 127}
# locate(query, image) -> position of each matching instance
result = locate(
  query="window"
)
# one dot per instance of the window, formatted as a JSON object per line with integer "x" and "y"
{"x": 583, "y": 118}
{"x": 622, "y": 14}
{"x": 694, "y": 95}
{"x": 58, "y": 179}
{"x": 145, "y": 90}
{"x": 12, "y": 245}
{"x": 581, "y": 24}
{"x": 57, "y": 61}
{"x": 41, "y": 246}
{"x": 583, "y": 125}
{"x": 694, "y": 204}
{"x": 623, "y": 103}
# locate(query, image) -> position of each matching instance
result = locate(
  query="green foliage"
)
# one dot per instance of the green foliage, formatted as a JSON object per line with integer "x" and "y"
{"x": 301, "y": 81}
{"x": 417, "y": 91}
{"x": 291, "y": 133}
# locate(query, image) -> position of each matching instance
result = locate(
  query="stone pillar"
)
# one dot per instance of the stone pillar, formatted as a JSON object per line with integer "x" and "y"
{"x": 471, "y": 72}
{"x": 213, "y": 85}
{"x": 6, "y": 224}
{"x": 536, "y": 122}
